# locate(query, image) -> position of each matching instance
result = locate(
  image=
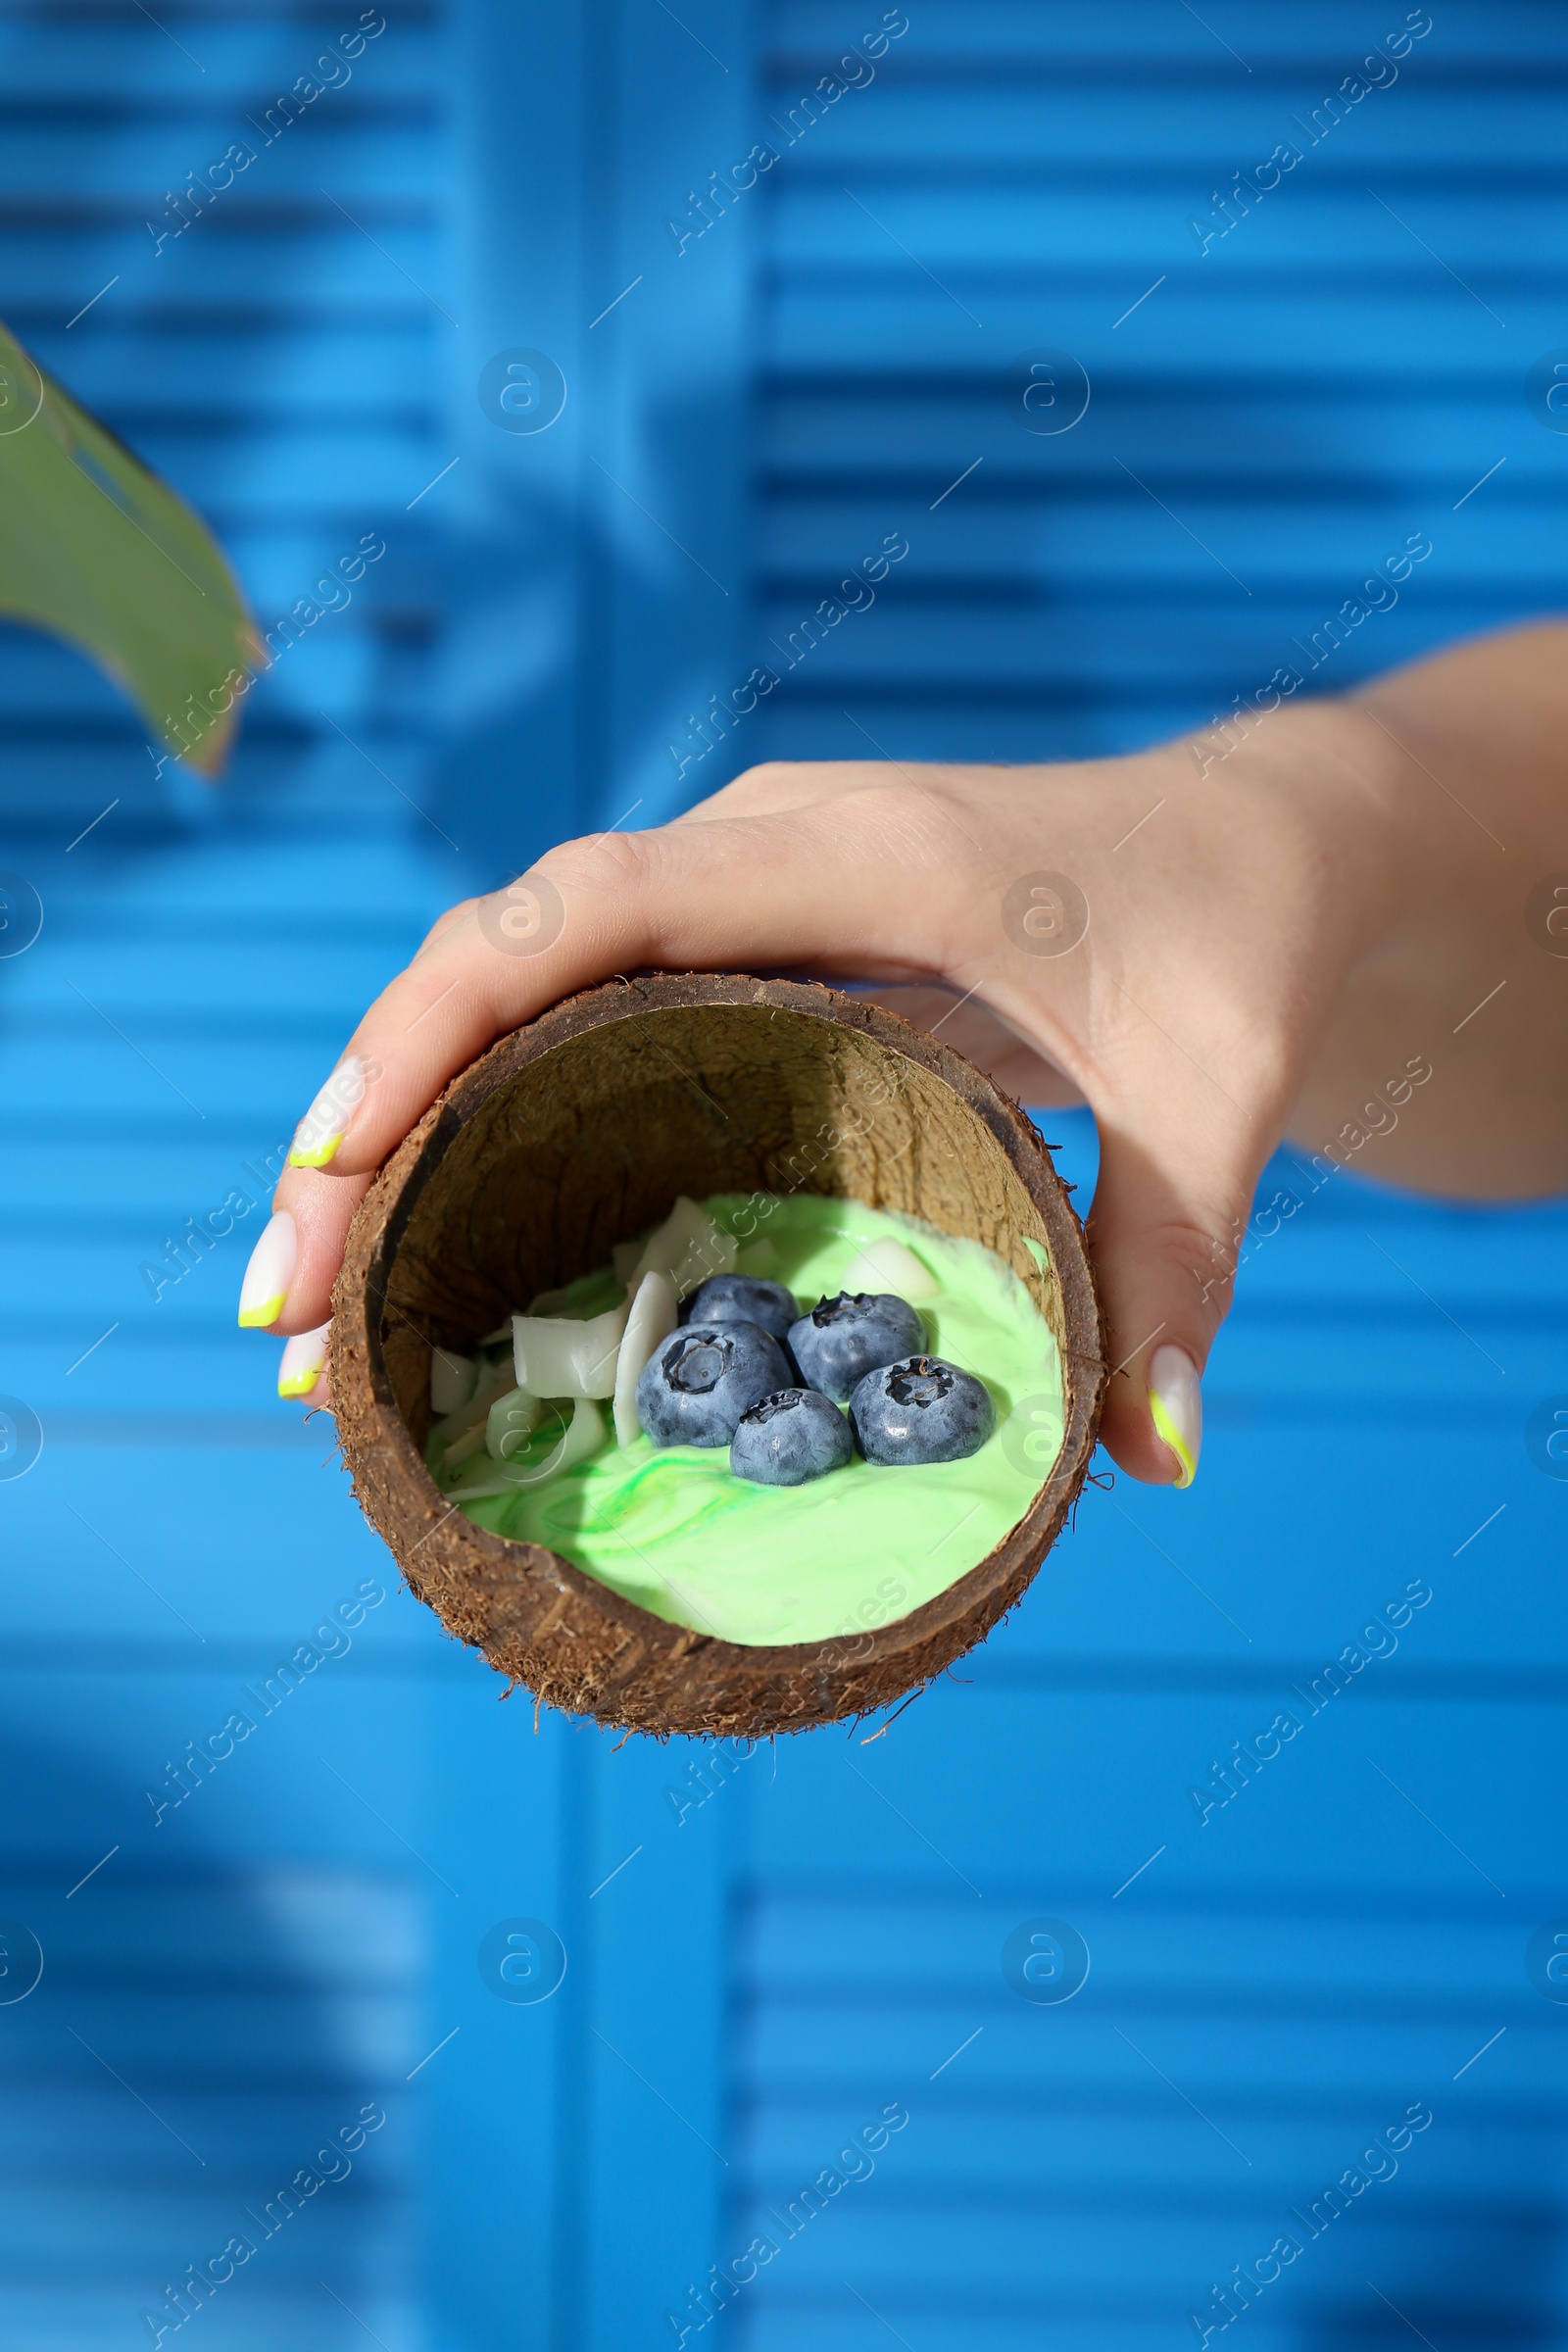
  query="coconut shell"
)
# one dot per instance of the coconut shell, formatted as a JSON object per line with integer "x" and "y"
{"x": 577, "y": 1132}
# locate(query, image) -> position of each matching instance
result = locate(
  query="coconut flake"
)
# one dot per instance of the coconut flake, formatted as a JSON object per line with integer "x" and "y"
{"x": 583, "y": 1436}
{"x": 554, "y": 1356}
{"x": 492, "y": 1382}
{"x": 453, "y": 1379}
{"x": 654, "y": 1315}
{"x": 885, "y": 1265}
{"x": 509, "y": 1423}
{"x": 688, "y": 1247}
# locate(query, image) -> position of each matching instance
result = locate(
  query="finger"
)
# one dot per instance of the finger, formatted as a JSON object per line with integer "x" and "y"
{"x": 444, "y": 922}
{"x": 779, "y": 785}
{"x": 287, "y": 1286}
{"x": 1169, "y": 1209}
{"x": 937, "y": 792}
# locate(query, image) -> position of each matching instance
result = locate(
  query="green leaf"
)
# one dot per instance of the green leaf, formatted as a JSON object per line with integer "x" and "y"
{"x": 96, "y": 548}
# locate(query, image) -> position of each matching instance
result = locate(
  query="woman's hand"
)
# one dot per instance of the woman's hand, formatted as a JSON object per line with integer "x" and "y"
{"x": 1194, "y": 940}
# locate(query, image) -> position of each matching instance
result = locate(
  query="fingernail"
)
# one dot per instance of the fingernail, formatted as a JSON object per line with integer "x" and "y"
{"x": 1176, "y": 1401}
{"x": 323, "y": 1126}
{"x": 303, "y": 1362}
{"x": 267, "y": 1276}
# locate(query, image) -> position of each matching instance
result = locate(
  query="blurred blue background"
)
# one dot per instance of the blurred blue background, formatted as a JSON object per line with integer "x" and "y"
{"x": 749, "y": 411}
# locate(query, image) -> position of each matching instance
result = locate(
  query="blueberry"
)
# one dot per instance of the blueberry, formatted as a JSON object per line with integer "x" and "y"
{"x": 843, "y": 1339}
{"x": 792, "y": 1436}
{"x": 921, "y": 1411}
{"x": 695, "y": 1386}
{"x": 738, "y": 1299}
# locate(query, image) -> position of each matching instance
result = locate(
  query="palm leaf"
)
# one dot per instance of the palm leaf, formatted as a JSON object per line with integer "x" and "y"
{"x": 96, "y": 548}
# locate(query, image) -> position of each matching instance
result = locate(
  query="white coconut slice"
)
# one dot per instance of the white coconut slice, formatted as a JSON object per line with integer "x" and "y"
{"x": 757, "y": 1258}
{"x": 688, "y": 1247}
{"x": 624, "y": 1258}
{"x": 554, "y": 1356}
{"x": 453, "y": 1380}
{"x": 492, "y": 1382}
{"x": 885, "y": 1265}
{"x": 509, "y": 1423}
{"x": 583, "y": 1436}
{"x": 654, "y": 1315}
{"x": 472, "y": 1442}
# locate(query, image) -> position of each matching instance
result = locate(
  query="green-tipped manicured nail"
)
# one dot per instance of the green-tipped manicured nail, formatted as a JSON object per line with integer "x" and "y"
{"x": 324, "y": 1124}
{"x": 304, "y": 1360}
{"x": 265, "y": 1289}
{"x": 1176, "y": 1402}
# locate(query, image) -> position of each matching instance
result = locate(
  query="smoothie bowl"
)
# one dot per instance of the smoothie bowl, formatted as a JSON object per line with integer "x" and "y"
{"x": 717, "y": 1355}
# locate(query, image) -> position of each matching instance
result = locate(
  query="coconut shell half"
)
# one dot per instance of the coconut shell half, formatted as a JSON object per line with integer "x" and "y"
{"x": 578, "y": 1132}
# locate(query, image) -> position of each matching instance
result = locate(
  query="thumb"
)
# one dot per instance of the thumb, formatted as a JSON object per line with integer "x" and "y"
{"x": 1164, "y": 1232}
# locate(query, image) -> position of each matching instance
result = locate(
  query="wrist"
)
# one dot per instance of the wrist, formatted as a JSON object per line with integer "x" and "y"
{"x": 1332, "y": 787}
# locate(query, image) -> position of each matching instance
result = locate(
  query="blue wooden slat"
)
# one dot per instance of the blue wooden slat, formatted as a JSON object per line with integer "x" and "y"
{"x": 131, "y": 162}
{"x": 1111, "y": 127}
{"x": 1072, "y": 235}
{"x": 886, "y": 317}
{"x": 126, "y": 74}
{"x": 1145, "y": 37}
{"x": 58, "y": 258}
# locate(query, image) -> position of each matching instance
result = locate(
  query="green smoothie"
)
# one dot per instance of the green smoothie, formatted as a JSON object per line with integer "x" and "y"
{"x": 674, "y": 1531}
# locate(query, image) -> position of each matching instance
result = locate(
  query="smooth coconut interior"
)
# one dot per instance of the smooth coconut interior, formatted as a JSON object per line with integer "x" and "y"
{"x": 591, "y": 1144}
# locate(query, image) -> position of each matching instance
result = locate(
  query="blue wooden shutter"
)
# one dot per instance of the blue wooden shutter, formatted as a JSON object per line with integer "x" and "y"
{"x": 293, "y": 1936}
{"x": 1270, "y": 1986}
{"x": 756, "y": 1976}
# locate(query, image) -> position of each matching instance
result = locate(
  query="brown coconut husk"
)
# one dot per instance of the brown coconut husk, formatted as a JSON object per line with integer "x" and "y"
{"x": 578, "y": 1132}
